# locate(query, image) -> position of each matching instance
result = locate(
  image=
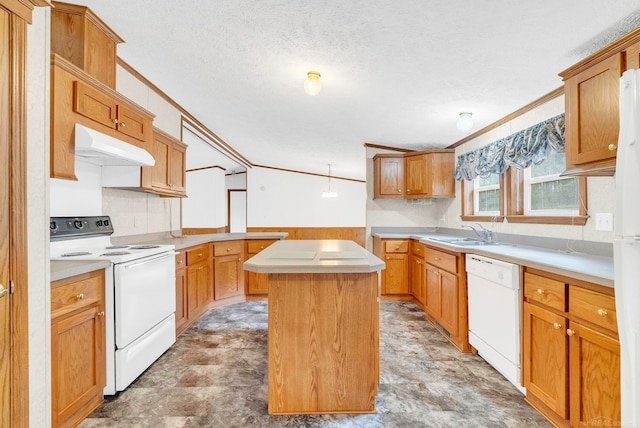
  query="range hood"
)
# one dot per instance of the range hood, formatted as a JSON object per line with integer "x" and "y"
{"x": 106, "y": 150}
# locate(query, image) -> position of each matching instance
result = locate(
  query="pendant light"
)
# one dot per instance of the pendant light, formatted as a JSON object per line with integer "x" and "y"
{"x": 312, "y": 84}
{"x": 465, "y": 122}
{"x": 328, "y": 193}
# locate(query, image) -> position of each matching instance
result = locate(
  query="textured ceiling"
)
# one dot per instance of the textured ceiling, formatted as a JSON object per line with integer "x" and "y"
{"x": 395, "y": 73}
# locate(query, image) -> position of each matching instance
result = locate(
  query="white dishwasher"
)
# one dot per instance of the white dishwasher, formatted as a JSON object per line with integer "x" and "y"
{"x": 494, "y": 314}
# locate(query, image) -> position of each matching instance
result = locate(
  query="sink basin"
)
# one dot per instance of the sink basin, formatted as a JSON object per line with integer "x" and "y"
{"x": 463, "y": 241}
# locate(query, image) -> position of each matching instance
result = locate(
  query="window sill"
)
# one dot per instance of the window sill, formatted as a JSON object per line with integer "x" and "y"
{"x": 579, "y": 220}
{"x": 489, "y": 218}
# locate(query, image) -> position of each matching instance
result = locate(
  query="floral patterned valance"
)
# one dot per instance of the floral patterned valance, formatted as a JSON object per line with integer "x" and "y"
{"x": 519, "y": 150}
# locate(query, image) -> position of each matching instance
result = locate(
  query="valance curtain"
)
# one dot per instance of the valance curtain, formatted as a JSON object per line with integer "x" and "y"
{"x": 519, "y": 150}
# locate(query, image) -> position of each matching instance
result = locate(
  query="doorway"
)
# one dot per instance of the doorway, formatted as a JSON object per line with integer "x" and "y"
{"x": 237, "y": 211}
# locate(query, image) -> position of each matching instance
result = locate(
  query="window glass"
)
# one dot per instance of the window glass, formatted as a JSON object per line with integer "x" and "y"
{"x": 546, "y": 193}
{"x": 486, "y": 192}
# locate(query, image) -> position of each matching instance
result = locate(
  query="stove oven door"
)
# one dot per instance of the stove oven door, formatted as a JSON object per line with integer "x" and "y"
{"x": 145, "y": 294}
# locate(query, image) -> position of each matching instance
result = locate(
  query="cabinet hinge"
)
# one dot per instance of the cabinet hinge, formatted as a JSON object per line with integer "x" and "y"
{"x": 12, "y": 286}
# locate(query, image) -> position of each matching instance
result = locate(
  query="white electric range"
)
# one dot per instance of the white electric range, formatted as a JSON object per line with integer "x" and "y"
{"x": 139, "y": 294}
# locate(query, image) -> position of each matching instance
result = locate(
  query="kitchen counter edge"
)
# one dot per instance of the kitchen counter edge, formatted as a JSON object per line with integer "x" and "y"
{"x": 62, "y": 269}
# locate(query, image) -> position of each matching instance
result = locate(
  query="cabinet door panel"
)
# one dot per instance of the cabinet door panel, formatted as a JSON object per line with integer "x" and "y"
{"x": 595, "y": 378}
{"x": 415, "y": 175}
{"x": 545, "y": 356}
{"x": 228, "y": 277}
{"x": 177, "y": 167}
{"x": 258, "y": 283}
{"x": 78, "y": 362}
{"x": 197, "y": 283}
{"x": 156, "y": 176}
{"x": 592, "y": 117}
{"x": 133, "y": 124}
{"x": 181, "y": 300}
{"x": 432, "y": 297}
{"x": 449, "y": 302}
{"x": 396, "y": 274}
{"x": 391, "y": 180}
{"x": 95, "y": 105}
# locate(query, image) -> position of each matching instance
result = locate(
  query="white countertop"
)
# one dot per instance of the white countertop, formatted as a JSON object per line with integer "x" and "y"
{"x": 187, "y": 241}
{"x": 61, "y": 269}
{"x": 587, "y": 267}
{"x": 314, "y": 256}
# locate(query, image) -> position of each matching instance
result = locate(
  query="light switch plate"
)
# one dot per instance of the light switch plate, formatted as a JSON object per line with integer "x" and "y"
{"x": 604, "y": 222}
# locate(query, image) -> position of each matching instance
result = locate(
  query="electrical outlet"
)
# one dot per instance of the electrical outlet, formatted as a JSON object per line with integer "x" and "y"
{"x": 604, "y": 222}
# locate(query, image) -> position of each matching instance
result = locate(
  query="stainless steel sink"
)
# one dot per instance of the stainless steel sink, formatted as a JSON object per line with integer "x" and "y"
{"x": 463, "y": 241}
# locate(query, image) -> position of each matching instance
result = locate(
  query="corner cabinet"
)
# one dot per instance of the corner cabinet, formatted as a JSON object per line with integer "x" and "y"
{"x": 388, "y": 175}
{"x": 571, "y": 352}
{"x": 592, "y": 91}
{"x": 430, "y": 175}
{"x": 168, "y": 176}
{"x": 425, "y": 174}
{"x": 78, "y": 353}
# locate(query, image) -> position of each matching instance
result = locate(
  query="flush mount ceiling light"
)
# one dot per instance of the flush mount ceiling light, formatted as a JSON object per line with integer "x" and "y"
{"x": 328, "y": 193}
{"x": 465, "y": 122}
{"x": 312, "y": 84}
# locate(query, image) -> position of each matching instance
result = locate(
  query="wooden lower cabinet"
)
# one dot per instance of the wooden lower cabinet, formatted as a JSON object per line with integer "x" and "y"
{"x": 181, "y": 299}
{"x": 418, "y": 284}
{"x": 395, "y": 278}
{"x": 257, "y": 283}
{"x": 228, "y": 281}
{"x": 78, "y": 354}
{"x": 194, "y": 284}
{"x": 198, "y": 284}
{"x": 571, "y": 352}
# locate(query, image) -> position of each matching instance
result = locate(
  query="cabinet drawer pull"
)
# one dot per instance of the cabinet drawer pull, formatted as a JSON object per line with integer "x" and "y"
{"x": 612, "y": 147}
{"x": 570, "y": 332}
{"x": 199, "y": 254}
{"x": 540, "y": 291}
{"x": 557, "y": 325}
{"x": 602, "y": 312}
{"x": 80, "y": 296}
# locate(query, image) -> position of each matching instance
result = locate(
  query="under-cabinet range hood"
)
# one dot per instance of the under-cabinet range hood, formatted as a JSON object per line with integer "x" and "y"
{"x": 103, "y": 149}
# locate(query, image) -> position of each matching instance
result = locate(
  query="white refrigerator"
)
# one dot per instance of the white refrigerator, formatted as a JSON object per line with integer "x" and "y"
{"x": 626, "y": 246}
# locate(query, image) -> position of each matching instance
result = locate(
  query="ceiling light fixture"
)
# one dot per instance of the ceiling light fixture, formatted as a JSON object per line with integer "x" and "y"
{"x": 328, "y": 193}
{"x": 312, "y": 84}
{"x": 465, "y": 122}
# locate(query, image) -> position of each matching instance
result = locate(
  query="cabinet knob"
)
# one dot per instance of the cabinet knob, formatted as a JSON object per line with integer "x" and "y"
{"x": 262, "y": 247}
{"x": 570, "y": 332}
{"x": 80, "y": 296}
{"x": 3, "y": 291}
{"x": 101, "y": 314}
{"x": 387, "y": 257}
{"x": 122, "y": 124}
{"x": 540, "y": 291}
{"x": 179, "y": 262}
{"x": 199, "y": 254}
{"x": 239, "y": 259}
{"x": 399, "y": 191}
{"x": 436, "y": 259}
{"x": 602, "y": 312}
{"x": 612, "y": 147}
{"x": 557, "y": 325}
{"x": 114, "y": 121}
{"x": 228, "y": 249}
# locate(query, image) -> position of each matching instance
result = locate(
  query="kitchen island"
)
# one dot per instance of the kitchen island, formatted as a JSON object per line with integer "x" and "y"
{"x": 323, "y": 326}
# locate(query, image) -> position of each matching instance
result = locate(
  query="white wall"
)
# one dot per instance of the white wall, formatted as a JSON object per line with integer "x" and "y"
{"x": 38, "y": 67}
{"x": 278, "y": 198}
{"x": 206, "y": 206}
{"x": 600, "y": 190}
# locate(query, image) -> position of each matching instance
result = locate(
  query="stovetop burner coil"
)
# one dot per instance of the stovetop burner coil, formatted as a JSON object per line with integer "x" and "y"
{"x": 76, "y": 254}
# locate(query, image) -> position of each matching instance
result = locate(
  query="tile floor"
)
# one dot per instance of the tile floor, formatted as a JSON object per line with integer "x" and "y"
{"x": 216, "y": 376}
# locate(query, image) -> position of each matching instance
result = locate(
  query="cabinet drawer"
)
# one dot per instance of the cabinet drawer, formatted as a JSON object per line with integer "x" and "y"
{"x": 181, "y": 260}
{"x": 67, "y": 295}
{"x": 197, "y": 254}
{"x": 417, "y": 248}
{"x": 593, "y": 307}
{"x": 226, "y": 248}
{"x": 546, "y": 291}
{"x": 396, "y": 246}
{"x": 442, "y": 260}
{"x": 256, "y": 245}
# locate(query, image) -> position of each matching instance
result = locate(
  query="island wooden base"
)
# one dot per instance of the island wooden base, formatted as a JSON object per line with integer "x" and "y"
{"x": 323, "y": 343}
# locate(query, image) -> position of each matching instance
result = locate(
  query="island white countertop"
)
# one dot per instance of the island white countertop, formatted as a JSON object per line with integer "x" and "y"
{"x": 314, "y": 256}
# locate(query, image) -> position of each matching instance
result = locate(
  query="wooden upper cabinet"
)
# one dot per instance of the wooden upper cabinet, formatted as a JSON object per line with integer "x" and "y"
{"x": 79, "y": 36}
{"x": 591, "y": 90}
{"x": 95, "y": 105}
{"x": 430, "y": 175}
{"x": 167, "y": 176}
{"x": 592, "y": 116}
{"x": 388, "y": 176}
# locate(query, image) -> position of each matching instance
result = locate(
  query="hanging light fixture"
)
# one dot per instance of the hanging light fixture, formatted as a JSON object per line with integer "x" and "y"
{"x": 465, "y": 122}
{"x": 328, "y": 193}
{"x": 312, "y": 85}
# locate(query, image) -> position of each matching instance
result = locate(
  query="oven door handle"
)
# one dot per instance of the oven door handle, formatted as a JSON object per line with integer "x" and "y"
{"x": 144, "y": 262}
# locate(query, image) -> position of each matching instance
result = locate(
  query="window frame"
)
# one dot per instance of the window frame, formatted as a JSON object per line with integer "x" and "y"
{"x": 468, "y": 204}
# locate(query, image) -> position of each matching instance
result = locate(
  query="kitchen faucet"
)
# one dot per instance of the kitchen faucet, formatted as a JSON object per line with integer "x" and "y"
{"x": 484, "y": 234}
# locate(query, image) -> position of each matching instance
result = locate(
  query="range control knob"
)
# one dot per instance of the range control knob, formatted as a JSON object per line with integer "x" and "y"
{"x": 78, "y": 224}
{"x": 105, "y": 223}
{"x": 52, "y": 225}
{"x": 99, "y": 223}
